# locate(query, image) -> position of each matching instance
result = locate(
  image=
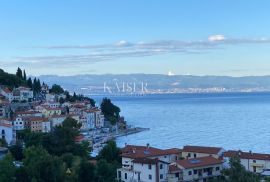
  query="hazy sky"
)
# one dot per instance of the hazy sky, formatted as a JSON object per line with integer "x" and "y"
{"x": 199, "y": 37}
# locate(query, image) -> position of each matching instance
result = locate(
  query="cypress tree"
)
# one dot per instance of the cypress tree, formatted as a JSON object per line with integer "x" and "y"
{"x": 24, "y": 75}
{"x": 19, "y": 73}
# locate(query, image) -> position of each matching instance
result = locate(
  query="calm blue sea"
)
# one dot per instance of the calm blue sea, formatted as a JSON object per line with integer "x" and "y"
{"x": 231, "y": 120}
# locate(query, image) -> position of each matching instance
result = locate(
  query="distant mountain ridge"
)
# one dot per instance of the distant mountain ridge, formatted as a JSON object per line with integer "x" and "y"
{"x": 157, "y": 83}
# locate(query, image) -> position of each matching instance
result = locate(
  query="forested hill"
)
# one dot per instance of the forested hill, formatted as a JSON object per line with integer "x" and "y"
{"x": 11, "y": 80}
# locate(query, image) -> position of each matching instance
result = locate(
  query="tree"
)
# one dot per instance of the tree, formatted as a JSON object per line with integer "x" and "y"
{"x": 110, "y": 152}
{"x": 19, "y": 73}
{"x": 24, "y": 75}
{"x": 7, "y": 169}
{"x": 29, "y": 83}
{"x": 17, "y": 151}
{"x": 61, "y": 100}
{"x": 87, "y": 172}
{"x": 57, "y": 89}
{"x": 62, "y": 139}
{"x": 238, "y": 173}
{"x": 110, "y": 111}
{"x": 3, "y": 143}
{"x": 105, "y": 171}
{"x": 42, "y": 167}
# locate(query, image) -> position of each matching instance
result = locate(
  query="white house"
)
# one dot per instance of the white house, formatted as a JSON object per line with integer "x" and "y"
{"x": 57, "y": 120}
{"x": 145, "y": 163}
{"x": 6, "y": 132}
{"x": 190, "y": 152}
{"x": 18, "y": 123}
{"x": 253, "y": 162}
{"x": 197, "y": 169}
{"x": 94, "y": 118}
{"x": 52, "y": 104}
{"x": 26, "y": 94}
{"x": 7, "y": 93}
{"x": 46, "y": 126}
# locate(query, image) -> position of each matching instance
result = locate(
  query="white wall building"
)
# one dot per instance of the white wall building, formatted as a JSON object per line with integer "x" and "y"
{"x": 197, "y": 169}
{"x": 6, "y": 132}
{"x": 145, "y": 163}
{"x": 18, "y": 123}
{"x": 190, "y": 152}
{"x": 253, "y": 162}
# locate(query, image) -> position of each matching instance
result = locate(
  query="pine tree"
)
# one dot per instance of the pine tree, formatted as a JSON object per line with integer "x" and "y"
{"x": 29, "y": 83}
{"x": 24, "y": 75}
{"x": 19, "y": 73}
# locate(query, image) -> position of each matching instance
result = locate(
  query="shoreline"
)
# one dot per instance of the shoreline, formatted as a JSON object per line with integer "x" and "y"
{"x": 130, "y": 131}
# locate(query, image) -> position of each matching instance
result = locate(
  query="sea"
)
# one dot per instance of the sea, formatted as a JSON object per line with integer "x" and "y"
{"x": 234, "y": 121}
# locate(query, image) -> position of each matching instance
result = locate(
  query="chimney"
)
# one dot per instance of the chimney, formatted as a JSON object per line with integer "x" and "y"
{"x": 147, "y": 145}
{"x": 250, "y": 152}
{"x": 239, "y": 152}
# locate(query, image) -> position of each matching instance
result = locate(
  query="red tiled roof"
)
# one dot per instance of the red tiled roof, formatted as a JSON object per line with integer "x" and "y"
{"x": 7, "y": 90}
{"x": 79, "y": 138}
{"x": 247, "y": 155}
{"x": 53, "y": 109}
{"x": 92, "y": 110}
{"x": 5, "y": 125}
{"x": 132, "y": 151}
{"x": 58, "y": 116}
{"x": 36, "y": 119}
{"x": 145, "y": 161}
{"x": 26, "y": 112}
{"x": 198, "y": 162}
{"x": 201, "y": 149}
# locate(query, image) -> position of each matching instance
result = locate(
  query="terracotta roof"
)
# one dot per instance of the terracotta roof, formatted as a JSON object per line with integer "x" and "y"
{"x": 36, "y": 119}
{"x": 247, "y": 155}
{"x": 132, "y": 151}
{"x": 145, "y": 161}
{"x": 79, "y": 138}
{"x": 201, "y": 149}
{"x": 198, "y": 162}
{"x": 5, "y": 124}
{"x": 58, "y": 116}
{"x": 92, "y": 110}
{"x": 53, "y": 109}
{"x": 173, "y": 168}
{"x": 7, "y": 90}
{"x": 26, "y": 112}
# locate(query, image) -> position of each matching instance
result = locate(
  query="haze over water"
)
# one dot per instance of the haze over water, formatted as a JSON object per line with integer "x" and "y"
{"x": 233, "y": 121}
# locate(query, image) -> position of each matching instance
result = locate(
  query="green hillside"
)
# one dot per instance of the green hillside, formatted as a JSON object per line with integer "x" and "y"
{"x": 11, "y": 80}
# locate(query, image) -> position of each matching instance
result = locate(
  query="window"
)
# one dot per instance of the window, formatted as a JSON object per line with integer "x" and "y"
{"x": 165, "y": 156}
{"x": 150, "y": 176}
{"x": 149, "y": 166}
{"x": 161, "y": 176}
{"x": 189, "y": 155}
{"x": 189, "y": 172}
{"x": 160, "y": 166}
{"x": 194, "y": 155}
{"x": 125, "y": 175}
{"x": 176, "y": 158}
{"x": 195, "y": 171}
{"x": 254, "y": 161}
{"x": 119, "y": 174}
{"x": 217, "y": 168}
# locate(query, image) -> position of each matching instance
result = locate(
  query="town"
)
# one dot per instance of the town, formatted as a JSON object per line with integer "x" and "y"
{"x": 38, "y": 108}
{"x": 190, "y": 163}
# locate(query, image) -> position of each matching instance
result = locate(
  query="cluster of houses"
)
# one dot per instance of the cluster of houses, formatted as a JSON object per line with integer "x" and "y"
{"x": 17, "y": 94}
{"x": 42, "y": 115}
{"x": 191, "y": 163}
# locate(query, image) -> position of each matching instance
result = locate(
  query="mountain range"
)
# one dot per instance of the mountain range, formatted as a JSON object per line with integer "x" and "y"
{"x": 157, "y": 83}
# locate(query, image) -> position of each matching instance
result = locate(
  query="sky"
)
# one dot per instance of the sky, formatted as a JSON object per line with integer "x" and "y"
{"x": 69, "y": 37}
